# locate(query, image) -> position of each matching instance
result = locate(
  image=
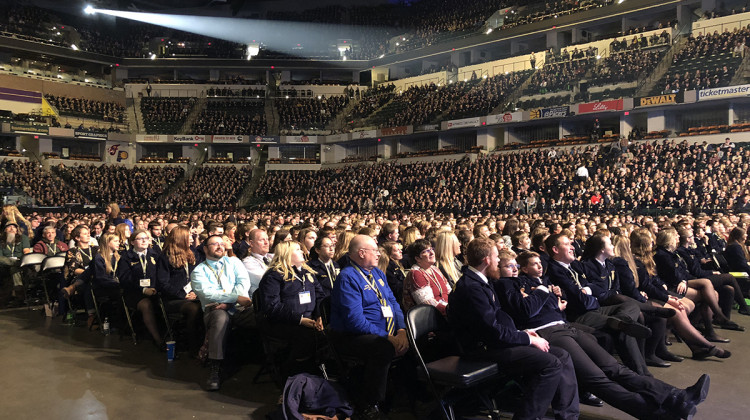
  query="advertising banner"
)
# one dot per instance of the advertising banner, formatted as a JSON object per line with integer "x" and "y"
{"x": 397, "y": 131}
{"x": 151, "y": 138}
{"x": 669, "y": 98}
{"x": 554, "y": 112}
{"x": 264, "y": 139}
{"x": 17, "y": 127}
{"x": 303, "y": 139}
{"x": 89, "y": 134}
{"x": 190, "y": 138}
{"x": 227, "y": 139}
{"x": 505, "y": 118}
{"x": 613, "y": 105}
{"x": 725, "y": 92}
{"x": 464, "y": 122}
{"x": 117, "y": 152}
{"x": 366, "y": 134}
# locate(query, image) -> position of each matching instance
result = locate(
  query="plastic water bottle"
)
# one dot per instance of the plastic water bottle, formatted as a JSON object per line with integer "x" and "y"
{"x": 105, "y": 326}
{"x": 69, "y": 318}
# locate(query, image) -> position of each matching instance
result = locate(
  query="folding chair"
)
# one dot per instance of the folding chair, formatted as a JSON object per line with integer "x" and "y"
{"x": 424, "y": 325}
{"x": 32, "y": 263}
{"x": 124, "y": 308}
{"x": 272, "y": 346}
{"x": 50, "y": 266}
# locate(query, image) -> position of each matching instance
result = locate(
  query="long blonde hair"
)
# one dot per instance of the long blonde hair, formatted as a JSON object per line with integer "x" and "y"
{"x": 342, "y": 245}
{"x": 622, "y": 249}
{"x": 641, "y": 244}
{"x": 445, "y": 256}
{"x": 105, "y": 252}
{"x": 282, "y": 260}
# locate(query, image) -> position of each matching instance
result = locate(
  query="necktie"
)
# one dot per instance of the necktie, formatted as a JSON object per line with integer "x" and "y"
{"x": 265, "y": 260}
{"x": 388, "y": 321}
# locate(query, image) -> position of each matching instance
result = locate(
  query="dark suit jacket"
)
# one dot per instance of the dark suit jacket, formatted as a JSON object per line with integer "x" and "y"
{"x": 672, "y": 270}
{"x": 537, "y": 309}
{"x": 603, "y": 280}
{"x": 736, "y": 258}
{"x": 477, "y": 318}
{"x": 578, "y": 301}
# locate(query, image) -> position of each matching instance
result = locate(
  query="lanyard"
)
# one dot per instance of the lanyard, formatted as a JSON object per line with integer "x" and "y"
{"x": 52, "y": 247}
{"x": 432, "y": 277}
{"x": 218, "y": 275}
{"x": 12, "y": 250}
{"x": 301, "y": 279}
{"x": 372, "y": 284}
{"x": 89, "y": 255}
{"x": 144, "y": 263}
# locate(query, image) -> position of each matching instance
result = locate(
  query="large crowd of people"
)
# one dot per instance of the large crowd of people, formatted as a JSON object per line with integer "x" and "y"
{"x": 82, "y": 107}
{"x": 510, "y": 287}
{"x": 649, "y": 175}
{"x": 136, "y": 188}
{"x": 309, "y": 114}
{"x": 165, "y": 115}
{"x": 245, "y": 117}
{"x": 29, "y": 178}
{"x": 211, "y": 188}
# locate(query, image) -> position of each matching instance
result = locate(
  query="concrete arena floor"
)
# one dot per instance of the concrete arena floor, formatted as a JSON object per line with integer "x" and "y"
{"x": 51, "y": 370}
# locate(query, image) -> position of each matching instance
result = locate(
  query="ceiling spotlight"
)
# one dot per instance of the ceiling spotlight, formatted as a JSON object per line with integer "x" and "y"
{"x": 89, "y": 10}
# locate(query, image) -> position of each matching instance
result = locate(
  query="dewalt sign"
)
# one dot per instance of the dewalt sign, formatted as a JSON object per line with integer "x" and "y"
{"x": 670, "y": 98}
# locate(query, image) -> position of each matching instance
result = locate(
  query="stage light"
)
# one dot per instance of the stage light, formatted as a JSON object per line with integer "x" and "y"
{"x": 89, "y": 10}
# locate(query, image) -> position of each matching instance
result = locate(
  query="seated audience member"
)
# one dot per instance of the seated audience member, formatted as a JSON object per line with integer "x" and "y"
{"x": 77, "y": 260}
{"x": 673, "y": 271}
{"x": 199, "y": 251}
{"x": 724, "y": 283}
{"x": 487, "y": 332}
{"x": 13, "y": 246}
{"x": 123, "y": 231}
{"x": 49, "y": 245}
{"x": 425, "y": 283}
{"x": 136, "y": 272}
{"x": 173, "y": 268}
{"x": 281, "y": 235}
{"x": 619, "y": 320}
{"x": 341, "y": 253}
{"x": 325, "y": 269}
{"x": 538, "y": 307}
{"x": 653, "y": 289}
{"x": 520, "y": 242}
{"x": 447, "y": 250}
{"x": 102, "y": 275}
{"x": 736, "y": 252}
{"x": 157, "y": 239}
{"x": 222, "y": 284}
{"x": 395, "y": 272}
{"x": 242, "y": 240}
{"x": 307, "y": 238}
{"x": 367, "y": 322}
{"x": 289, "y": 297}
{"x": 257, "y": 259}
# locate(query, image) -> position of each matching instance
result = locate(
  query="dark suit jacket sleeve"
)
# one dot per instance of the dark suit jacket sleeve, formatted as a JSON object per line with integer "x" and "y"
{"x": 164, "y": 282}
{"x": 736, "y": 258}
{"x": 520, "y": 307}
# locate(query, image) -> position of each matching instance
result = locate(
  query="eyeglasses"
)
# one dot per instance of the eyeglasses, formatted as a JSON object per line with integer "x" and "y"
{"x": 215, "y": 244}
{"x": 516, "y": 266}
{"x": 377, "y": 251}
{"x": 428, "y": 251}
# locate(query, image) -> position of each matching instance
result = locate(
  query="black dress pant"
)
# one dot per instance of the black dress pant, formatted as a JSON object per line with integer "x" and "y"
{"x": 597, "y": 371}
{"x": 547, "y": 378}
{"x": 376, "y": 353}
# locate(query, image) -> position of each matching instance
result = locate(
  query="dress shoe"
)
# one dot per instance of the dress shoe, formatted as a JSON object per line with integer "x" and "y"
{"x": 630, "y": 328}
{"x": 703, "y": 353}
{"x": 698, "y": 392}
{"x": 744, "y": 311}
{"x": 657, "y": 362}
{"x": 671, "y": 357}
{"x": 716, "y": 339}
{"x": 588, "y": 398}
{"x": 731, "y": 325}
{"x": 214, "y": 380}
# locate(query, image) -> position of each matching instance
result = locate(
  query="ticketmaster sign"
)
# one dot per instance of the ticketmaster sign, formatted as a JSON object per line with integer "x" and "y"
{"x": 725, "y": 92}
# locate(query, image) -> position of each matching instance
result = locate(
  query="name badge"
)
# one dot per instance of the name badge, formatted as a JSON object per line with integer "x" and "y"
{"x": 145, "y": 282}
{"x": 387, "y": 311}
{"x": 305, "y": 298}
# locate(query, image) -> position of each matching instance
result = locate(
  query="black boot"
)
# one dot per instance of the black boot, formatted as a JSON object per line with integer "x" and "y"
{"x": 214, "y": 380}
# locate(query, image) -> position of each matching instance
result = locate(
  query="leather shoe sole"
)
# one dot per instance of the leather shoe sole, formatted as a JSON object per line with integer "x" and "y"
{"x": 632, "y": 329}
{"x": 590, "y": 399}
